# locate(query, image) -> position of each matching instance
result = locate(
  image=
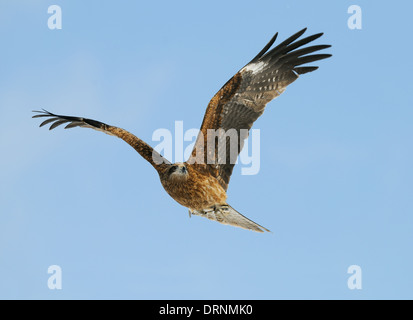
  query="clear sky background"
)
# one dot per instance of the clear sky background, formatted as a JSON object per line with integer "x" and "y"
{"x": 336, "y": 179}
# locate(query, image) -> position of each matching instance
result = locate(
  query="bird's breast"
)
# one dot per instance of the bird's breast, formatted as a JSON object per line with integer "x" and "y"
{"x": 198, "y": 192}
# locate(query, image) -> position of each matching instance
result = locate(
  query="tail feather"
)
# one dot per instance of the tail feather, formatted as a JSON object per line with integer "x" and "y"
{"x": 230, "y": 216}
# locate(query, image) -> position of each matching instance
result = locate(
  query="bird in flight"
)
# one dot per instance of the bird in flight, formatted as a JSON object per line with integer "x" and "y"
{"x": 200, "y": 184}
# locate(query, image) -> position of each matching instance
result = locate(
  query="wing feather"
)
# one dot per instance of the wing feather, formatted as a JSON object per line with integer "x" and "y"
{"x": 145, "y": 150}
{"x": 243, "y": 98}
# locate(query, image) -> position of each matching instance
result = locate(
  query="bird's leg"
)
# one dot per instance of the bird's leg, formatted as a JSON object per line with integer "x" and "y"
{"x": 199, "y": 213}
{"x": 208, "y": 210}
{"x": 221, "y": 208}
{"x": 224, "y": 208}
{"x": 215, "y": 211}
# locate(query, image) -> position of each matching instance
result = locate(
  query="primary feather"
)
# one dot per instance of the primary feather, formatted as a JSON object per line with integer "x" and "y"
{"x": 244, "y": 97}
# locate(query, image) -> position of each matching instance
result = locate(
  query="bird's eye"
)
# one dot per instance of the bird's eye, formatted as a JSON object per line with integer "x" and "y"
{"x": 172, "y": 169}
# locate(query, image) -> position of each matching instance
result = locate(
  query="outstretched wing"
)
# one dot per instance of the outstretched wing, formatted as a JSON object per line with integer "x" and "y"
{"x": 232, "y": 111}
{"x": 145, "y": 150}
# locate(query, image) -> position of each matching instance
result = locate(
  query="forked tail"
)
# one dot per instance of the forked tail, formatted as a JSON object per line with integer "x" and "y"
{"x": 228, "y": 215}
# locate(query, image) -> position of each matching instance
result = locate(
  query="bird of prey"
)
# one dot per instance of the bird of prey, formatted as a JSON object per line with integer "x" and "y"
{"x": 200, "y": 184}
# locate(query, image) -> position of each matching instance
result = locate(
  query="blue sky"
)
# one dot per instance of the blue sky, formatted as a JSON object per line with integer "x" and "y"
{"x": 335, "y": 183}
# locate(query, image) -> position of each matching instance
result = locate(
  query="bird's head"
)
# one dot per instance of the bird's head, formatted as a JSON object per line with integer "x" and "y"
{"x": 177, "y": 172}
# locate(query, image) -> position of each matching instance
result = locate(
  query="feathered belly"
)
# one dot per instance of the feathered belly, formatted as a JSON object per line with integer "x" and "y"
{"x": 197, "y": 194}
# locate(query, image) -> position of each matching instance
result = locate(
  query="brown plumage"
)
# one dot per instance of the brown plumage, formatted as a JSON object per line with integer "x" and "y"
{"x": 200, "y": 184}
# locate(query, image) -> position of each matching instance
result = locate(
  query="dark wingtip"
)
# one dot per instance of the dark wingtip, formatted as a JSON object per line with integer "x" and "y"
{"x": 265, "y": 49}
{"x": 274, "y": 37}
{"x": 37, "y": 115}
{"x": 303, "y": 70}
{"x": 42, "y": 113}
{"x": 300, "y": 33}
{"x": 315, "y": 36}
